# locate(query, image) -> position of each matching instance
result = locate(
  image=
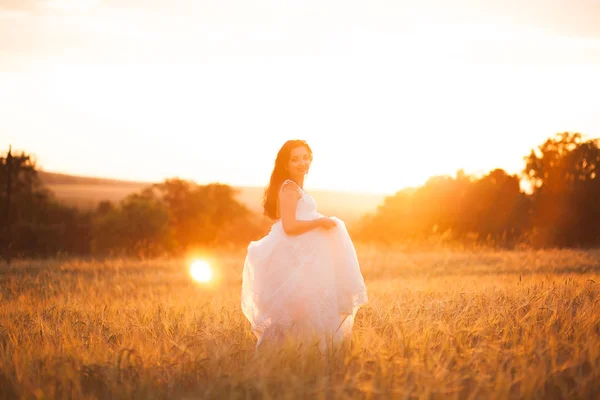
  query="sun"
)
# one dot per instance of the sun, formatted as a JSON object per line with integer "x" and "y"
{"x": 201, "y": 271}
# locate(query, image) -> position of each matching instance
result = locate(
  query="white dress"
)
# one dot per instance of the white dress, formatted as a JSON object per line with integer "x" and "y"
{"x": 308, "y": 286}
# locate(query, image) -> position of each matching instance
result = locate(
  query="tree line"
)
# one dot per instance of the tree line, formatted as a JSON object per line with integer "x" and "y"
{"x": 177, "y": 216}
{"x": 165, "y": 219}
{"x": 561, "y": 209}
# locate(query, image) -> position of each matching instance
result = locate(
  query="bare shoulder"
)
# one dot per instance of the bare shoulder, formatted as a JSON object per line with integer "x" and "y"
{"x": 290, "y": 189}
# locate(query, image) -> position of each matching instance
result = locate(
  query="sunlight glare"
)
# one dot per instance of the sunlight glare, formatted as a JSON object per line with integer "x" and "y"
{"x": 201, "y": 271}
{"x": 74, "y": 5}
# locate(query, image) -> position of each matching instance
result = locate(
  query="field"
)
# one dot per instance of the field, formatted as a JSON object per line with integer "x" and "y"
{"x": 441, "y": 324}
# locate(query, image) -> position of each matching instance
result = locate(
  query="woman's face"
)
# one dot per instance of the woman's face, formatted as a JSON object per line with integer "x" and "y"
{"x": 299, "y": 162}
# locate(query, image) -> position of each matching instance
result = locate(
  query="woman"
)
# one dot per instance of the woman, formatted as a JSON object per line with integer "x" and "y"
{"x": 302, "y": 279}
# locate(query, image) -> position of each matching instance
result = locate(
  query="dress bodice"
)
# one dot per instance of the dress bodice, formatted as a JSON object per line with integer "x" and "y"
{"x": 306, "y": 208}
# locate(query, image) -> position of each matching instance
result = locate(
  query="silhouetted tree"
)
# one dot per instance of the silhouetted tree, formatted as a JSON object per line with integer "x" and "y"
{"x": 566, "y": 191}
{"x": 492, "y": 209}
{"x": 197, "y": 214}
{"x": 6, "y": 235}
{"x": 495, "y": 208}
{"x": 138, "y": 227}
{"x": 171, "y": 218}
{"x": 40, "y": 225}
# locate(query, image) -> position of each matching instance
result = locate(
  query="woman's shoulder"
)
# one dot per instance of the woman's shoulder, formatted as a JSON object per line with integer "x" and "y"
{"x": 290, "y": 187}
{"x": 289, "y": 182}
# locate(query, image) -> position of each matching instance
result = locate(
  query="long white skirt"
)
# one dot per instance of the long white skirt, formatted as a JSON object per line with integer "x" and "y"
{"x": 308, "y": 286}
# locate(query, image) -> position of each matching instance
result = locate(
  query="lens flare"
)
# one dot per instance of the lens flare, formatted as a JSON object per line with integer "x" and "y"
{"x": 201, "y": 271}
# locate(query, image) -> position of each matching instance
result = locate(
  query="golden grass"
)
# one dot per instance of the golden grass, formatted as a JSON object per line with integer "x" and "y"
{"x": 438, "y": 325}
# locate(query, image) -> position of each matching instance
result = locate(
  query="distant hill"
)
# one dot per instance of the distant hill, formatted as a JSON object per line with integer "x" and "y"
{"x": 53, "y": 178}
{"x": 86, "y": 193}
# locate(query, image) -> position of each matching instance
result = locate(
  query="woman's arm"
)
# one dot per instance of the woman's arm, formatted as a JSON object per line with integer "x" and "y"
{"x": 288, "y": 200}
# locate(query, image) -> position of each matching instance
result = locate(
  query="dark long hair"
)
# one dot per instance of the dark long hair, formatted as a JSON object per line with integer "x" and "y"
{"x": 279, "y": 175}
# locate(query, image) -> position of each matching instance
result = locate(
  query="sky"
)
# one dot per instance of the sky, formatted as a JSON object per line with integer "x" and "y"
{"x": 387, "y": 93}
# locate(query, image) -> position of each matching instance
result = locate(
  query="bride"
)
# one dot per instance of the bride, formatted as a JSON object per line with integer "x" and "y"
{"x": 302, "y": 280}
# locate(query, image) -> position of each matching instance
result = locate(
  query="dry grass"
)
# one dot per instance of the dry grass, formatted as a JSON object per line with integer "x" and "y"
{"x": 439, "y": 325}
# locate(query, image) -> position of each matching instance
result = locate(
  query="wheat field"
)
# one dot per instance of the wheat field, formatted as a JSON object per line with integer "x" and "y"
{"x": 440, "y": 324}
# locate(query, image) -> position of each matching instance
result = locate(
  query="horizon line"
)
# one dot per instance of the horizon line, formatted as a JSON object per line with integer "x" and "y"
{"x": 147, "y": 182}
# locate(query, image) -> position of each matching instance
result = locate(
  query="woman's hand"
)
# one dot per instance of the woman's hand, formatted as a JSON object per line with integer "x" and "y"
{"x": 327, "y": 223}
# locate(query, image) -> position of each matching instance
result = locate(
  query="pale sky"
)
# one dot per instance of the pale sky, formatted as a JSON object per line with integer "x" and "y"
{"x": 387, "y": 93}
